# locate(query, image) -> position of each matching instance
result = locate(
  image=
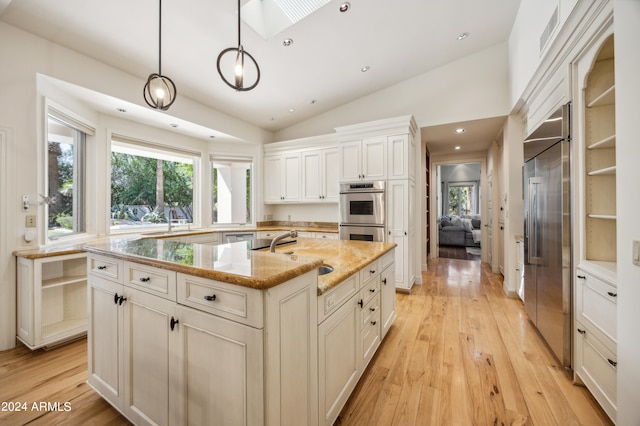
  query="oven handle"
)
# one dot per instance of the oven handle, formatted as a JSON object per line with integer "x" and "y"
{"x": 362, "y": 225}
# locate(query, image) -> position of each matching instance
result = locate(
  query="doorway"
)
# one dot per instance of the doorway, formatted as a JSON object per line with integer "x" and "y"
{"x": 458, "y": 221}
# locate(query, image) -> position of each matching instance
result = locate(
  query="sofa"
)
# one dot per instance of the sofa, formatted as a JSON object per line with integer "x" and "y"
{"x": 461, "y": 231}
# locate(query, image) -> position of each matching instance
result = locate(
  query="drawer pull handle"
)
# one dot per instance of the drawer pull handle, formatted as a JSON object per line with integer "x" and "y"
{"x": 145, "y": 279}
{"x": 581, "y": 331}
{"x": 582, "y": 277}
{"x": 384, "y": 281}
{"x": 360, "y": 303}
{"x": 612, "y": 294}
{"x": 374, "y": 322}
{"x": 121, "y": 300}
{"x": 372, "y": 309}
{"x": 210, "y": 298}
{"x": 102, "y": 267}
{"x": 173, "y": 323}
{"x": 612, "y": 362}
{"x": 372, "y": 290}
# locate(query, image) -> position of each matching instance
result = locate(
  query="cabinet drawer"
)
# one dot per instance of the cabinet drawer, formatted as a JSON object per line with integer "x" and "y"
{"x": 237, "y": 303}
{"x": 267, "y": 234}
{"x": 369, "y": 271}
{"x": 334, "y": 298}
{"x": 371, "y": 288}
{"x": 597, "y": 367}
{"x": 370, "y": 338}
{"x": 151, "y": 280}
{"x": 371, "y": 312}
{"x": 596, "y": 304}
{"x": 386, "y": 260}
{"x": 326, "y": 235}
{"x": 105, "y": 267}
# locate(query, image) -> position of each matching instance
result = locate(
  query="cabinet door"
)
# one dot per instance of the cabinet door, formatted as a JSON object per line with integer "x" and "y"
{"x": 104, "y": 340}
{"x": 148, "y": 344}
{"x": 272, "y": 179}
{"x": 374, "y": 155}
{"x": 339, "y": 349}
{"x": 398, "y": 157}
{"x": 330, "y": 168}
{"x": 351, "y": 161}
{"x": 219, "y": 375}
{"x": 312, "y": 176}
{"x": 388, "y": 302}
{"x": 291, "y": 177}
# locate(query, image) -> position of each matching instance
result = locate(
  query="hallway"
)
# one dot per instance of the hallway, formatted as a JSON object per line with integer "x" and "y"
{"x": 462, "y": 353}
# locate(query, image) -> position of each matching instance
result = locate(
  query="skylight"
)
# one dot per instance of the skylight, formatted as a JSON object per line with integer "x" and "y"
{"x": 270, "y": 17}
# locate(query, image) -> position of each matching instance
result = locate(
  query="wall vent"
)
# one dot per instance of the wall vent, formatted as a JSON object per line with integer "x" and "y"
{"x": 551, "y": 26}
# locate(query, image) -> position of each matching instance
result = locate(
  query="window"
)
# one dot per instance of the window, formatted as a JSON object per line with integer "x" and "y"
{"x": 150, "y": 185}
{"x": 232, "y": 186}
{"x": 462, "y": 198}
{"x": 65, "y": 162}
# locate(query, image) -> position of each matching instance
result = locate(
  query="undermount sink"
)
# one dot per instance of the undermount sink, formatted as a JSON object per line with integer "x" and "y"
{"x": 325, "y": 269}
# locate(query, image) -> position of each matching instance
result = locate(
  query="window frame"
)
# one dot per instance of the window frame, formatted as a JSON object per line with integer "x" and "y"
{"x": 475, "y": 200}
{"x": 238, "y": 158}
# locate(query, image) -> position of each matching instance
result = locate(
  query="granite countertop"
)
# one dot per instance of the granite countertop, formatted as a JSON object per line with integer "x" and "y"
{"x": 345, "y": 256}
{"x": 235, "y": 263}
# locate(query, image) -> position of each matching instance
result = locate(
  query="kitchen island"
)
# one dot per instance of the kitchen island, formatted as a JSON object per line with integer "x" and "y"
{"x": 185, "y": 333}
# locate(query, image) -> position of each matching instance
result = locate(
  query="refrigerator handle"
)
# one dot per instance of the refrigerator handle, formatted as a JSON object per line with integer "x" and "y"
{"x": 532, "y": 218}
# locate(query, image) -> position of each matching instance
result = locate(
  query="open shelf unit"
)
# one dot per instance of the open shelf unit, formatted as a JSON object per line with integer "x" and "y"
{"x": 600, "y": 160}
{"x": 52, "y": 299}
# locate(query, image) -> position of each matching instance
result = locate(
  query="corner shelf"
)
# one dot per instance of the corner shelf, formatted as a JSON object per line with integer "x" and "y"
{"x": 605, "y": 171}
{"x": 608, "y": 97}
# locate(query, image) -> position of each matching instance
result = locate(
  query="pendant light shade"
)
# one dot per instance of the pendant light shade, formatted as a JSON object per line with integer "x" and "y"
{"x": 159, "y": 92}
{"x": 239, "y": 69}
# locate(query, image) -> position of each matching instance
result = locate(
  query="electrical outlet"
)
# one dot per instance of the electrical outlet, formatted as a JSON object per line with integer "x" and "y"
{"x": 30, "y": 221}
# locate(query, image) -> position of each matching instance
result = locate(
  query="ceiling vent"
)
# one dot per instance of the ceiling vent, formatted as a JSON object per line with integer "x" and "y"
{"x": 549, "y": 29}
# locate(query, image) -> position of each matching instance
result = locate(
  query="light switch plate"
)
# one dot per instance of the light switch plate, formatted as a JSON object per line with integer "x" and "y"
{"x": 636, "y": 252}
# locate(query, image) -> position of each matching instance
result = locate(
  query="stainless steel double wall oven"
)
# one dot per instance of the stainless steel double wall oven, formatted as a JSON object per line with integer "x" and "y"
{"x": 362, "y": 211}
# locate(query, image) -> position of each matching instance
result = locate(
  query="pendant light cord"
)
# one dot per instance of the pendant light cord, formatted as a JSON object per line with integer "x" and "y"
{"x": 160, "y": 39}
{"x": 239, "y": 42}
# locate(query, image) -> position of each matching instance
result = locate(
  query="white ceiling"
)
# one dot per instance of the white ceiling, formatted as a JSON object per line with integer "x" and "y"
{"x": 396, "y": 39}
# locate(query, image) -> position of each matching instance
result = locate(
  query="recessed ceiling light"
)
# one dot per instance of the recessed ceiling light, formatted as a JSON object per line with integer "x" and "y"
{"x": 287, "y": 42}
{"x": 457, "y": 148}
{"x": 291, "y": 109}
{"x": 212, "y": 136}
{"x": 121, "y": 110}
{"x": 313, "y": 101}
{"x": 174, "y": 125}
{"x": 345, "y": 6}
{"x": 460, "y": 130}
{"x": 365, "y": 68}
{"x": 463, "y": 36}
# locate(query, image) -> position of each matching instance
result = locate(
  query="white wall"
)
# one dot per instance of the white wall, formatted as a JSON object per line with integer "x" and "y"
{"x": 627, "y": 34}
{"x": 471, "y": 88}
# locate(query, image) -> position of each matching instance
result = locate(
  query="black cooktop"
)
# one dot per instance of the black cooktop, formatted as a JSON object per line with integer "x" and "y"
{"x": 263, "y": 243}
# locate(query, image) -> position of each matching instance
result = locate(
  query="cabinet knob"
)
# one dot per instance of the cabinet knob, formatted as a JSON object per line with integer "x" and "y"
{"x": 121, "y": 300}
{"x": 582, "y": 277}
{"x": 384, "y": 281}
{"x": 612, "y": 294}
{"x": 102, "y": 267}
{"x": 372, "y": 271}
{"x": 581, "y": 331}
{"x": 145, "y": 279}
{"x": 372, "y": 290}
{"x": 374, "y": 322}
{"x": 612, "y": 362}
{"x": 211, "y": 298}
{"x": 116, "y": 298}
{"x": 360, "y": 303}
{"x": 372, "y": 309}
{"x": 173, "y": 323}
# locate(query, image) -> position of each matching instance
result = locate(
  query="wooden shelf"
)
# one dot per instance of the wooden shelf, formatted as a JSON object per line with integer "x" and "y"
{"x": 62, "y": 281}
{"x": 608, "y": 97}
{"x": 602, "y": 216}
{"x": 606, "y": 171}
{"x": 608, "y": 142}
{"x": 70, "y": 326}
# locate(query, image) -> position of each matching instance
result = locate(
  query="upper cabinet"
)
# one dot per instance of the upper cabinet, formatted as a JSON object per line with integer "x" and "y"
{"x": 363, "y": 160}
{"x": 282, "y": 178}
{"x": 320, "y": 175}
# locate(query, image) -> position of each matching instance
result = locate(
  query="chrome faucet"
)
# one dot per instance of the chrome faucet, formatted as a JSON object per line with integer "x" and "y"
{"x": 291, "y": 234}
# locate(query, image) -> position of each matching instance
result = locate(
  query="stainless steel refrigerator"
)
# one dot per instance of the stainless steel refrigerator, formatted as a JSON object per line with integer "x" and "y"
{"x": 547, "y": 235}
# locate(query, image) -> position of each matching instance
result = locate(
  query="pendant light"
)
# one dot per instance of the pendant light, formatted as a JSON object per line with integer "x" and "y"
{"x": 239, "y": 69}
{"x": 159, "y": 92}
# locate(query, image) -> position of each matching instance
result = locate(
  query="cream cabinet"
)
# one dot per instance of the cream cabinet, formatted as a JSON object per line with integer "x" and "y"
{"x": 596, "y": 338}
{"x": 198, "y": 355}
{"x": 282, "y": 178}
{"x": 401, "y": 161}
{"x": 364, "y": 159}
{"x": 387, "y": 293}
{"x": 401, "y": 230}
{"x": 320, "y": 175}
{"x": 51, "y": 299}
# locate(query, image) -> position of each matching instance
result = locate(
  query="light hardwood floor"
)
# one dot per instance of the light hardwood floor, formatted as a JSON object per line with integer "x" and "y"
{"x": 459, "y": 353}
